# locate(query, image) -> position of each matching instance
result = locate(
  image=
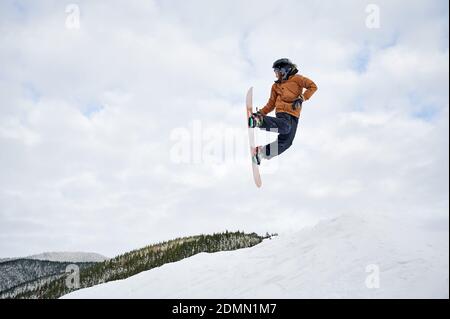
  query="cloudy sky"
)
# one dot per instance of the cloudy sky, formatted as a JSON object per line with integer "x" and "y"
{"x": 122, "y": 123}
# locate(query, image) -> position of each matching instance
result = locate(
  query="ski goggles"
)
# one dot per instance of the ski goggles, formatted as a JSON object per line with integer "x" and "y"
{"x": 281, "y": 70}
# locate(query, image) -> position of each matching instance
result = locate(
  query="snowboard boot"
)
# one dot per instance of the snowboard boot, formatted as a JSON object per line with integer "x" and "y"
{"x": 255, "y": 120}
{"x": 257, "y": 154}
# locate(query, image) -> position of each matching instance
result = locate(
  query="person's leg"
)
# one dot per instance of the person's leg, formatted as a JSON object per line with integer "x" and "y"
{"x": 279, "y": 124}
{"x": 285, "y": 138}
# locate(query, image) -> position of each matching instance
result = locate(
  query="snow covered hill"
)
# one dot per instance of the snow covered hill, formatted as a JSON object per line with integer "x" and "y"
{"x": 347, "y": 257}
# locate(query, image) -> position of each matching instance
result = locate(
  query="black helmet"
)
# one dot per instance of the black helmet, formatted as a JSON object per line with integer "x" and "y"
{"x": 286, "y": 67}
{"x": 282, "y": 63}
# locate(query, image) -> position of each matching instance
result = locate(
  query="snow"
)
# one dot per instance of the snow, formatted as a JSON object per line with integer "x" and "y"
{"x": 337, "y": 258}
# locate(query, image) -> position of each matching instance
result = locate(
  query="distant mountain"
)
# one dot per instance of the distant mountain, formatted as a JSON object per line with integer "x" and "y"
{"x": 80, "y": 257}
{"x": 6, "y": 259}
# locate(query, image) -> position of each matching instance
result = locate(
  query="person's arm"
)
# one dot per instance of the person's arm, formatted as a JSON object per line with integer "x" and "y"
{"x": 309, "y": 85}
{"x": 271, "y": 103}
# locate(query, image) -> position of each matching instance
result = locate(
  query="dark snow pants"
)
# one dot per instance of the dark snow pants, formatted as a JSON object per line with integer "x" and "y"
{"x": 286, "y": 125}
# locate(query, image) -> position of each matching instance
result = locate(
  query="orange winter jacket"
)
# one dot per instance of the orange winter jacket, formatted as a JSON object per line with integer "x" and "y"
{"x": 285, "y": 92}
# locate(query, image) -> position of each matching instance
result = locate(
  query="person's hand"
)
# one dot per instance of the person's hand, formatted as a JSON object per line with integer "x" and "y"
{"x": 298, "y": 102}
{"x": 257, "y": 114}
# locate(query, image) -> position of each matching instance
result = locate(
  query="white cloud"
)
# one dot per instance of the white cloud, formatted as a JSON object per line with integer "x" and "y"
{"x": 86, "y": 118}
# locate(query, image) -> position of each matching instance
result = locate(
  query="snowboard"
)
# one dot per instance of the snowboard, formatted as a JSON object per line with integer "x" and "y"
{"x": 251, "y": 137}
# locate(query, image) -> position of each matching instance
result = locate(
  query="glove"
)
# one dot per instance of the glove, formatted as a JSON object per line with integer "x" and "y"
{"x": 298, "y": 103}
{"x": 258, "y": 114}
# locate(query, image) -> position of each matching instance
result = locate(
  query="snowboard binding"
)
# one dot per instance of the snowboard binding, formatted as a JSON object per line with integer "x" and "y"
{"x": 255, "y": 120}
{"x": 257, "y": 154}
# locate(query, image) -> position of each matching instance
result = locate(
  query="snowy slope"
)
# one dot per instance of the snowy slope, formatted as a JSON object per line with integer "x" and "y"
{"x": 329, "y": 260}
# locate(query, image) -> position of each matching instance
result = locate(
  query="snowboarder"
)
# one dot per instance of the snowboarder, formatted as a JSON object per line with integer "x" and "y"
{"x": 286, "y": 98}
